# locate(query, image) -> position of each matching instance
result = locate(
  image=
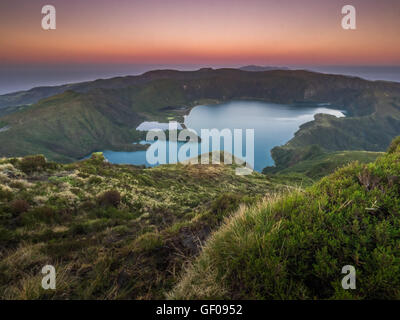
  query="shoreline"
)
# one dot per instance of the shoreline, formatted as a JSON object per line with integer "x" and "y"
{"x": 188, "y": 109}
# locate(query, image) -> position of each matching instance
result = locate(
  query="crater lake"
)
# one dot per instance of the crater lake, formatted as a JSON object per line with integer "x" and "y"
{"x": 273, "y": 124}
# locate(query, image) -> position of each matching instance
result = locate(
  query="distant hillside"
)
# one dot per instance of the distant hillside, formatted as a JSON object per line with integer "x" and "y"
{"x": 294, "y": 247}
{"x": 35, "y": 94}
{"x": 315, "y": 166}
{"x": 104, "y": 113}
{"x": 371, "y": 132}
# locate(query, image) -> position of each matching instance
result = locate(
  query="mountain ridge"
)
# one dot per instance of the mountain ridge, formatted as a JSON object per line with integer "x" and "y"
{"x": 256, "y": 68}
{"x": 33, "y": 95}
{"x": 46, "y": 127}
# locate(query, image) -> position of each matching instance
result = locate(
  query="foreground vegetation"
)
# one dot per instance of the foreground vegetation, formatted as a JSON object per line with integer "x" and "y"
{"x": 111, "y": 231}
{"x": 127, "y": 232}
{"x": 294, "y": 247}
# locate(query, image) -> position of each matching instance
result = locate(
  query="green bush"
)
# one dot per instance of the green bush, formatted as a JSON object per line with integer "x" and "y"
{"x": 228, "y": 203}
{"x": 94, "y": 180}
{"x": 394, "y": 145}
{"x": 225, "y": 203}
{"x": 7, "y": 236}
{"x": 79, "y": 229}
{"x": 61, "y": 249}
{"x": 31, "y": 164}
{"x": 110, "y": 198}
{"x": 43, "y": 214}
{"x": 19, "y": 206}
{"x": 149, "y": 242}
{"x": 5, "y": 194}
{"x": 111, "y": 212}
{"x": 97, "y": 158}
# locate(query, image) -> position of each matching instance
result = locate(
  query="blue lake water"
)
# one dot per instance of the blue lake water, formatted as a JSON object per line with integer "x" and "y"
{"x": 273, "y": 124}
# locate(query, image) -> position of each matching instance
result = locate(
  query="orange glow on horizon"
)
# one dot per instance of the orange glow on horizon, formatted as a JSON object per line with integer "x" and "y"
{"x": 222, "y": 31}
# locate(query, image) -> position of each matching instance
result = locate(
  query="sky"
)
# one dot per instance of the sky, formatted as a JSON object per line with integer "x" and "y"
{"x": 103, "y": 38}
{"x": 273, "y": 32}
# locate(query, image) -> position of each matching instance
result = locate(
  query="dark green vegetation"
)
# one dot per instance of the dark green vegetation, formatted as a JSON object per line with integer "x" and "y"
{"x": 112, "y": 232}
{"x": 371, "y": 132}
{"x": 316, "y": 163}
{"x": 74, "y": 120}
{"x": 294, "y": 247}
{"x": 69, "y": 126}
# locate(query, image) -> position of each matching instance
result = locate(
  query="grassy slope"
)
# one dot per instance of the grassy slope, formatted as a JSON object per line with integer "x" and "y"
{"x": 320, "y": 165}
{"x": 294, "y": 247}
{"x": 70, "y": 125}
{"x": 132, "y": 249}
{"x": 372, "y": 132}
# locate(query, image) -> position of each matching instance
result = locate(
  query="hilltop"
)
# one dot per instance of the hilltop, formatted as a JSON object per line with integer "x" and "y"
{"x": 294, "y": 246}
{"x": 111, "y": 231}
{"x": 255, "y": 68}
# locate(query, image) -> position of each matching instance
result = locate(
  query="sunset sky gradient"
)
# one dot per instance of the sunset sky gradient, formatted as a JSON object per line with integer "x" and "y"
{"x": 273, "y": 32}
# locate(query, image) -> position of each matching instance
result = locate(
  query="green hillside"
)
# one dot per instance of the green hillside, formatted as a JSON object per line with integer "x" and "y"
{"x": 372, "y": 133}
{"x": 316, "y": 164}
{"x": 125, "y": 232}
{"x": 111, "y": 231}
{"x": 294, "y": 246}
{"x": 82, "y": 118}
{"x": 70, "y": 126}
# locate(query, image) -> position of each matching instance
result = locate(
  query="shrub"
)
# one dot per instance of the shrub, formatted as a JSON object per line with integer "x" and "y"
{"x": 5, "y": 194}
{"x": 52, "y": 165}
{"x": 97, "y": 157}
{"x": 6, "y": 236}
{"x": 95, "y": 180}
{"x": 79, "y": 228}
{"x": 19, "y": 206}
{"x": 149, "y": 242}
{"x": 41, "y": 214}
{"x": 31, "y": 164}
{"x": 113, "y": 213}
{"x": 110, "y": 198}
{"x": 394, "y": 145}
{"x": 13, "y": 161}
{"x": 225, "y": 204}
{"x": 17, "y": 184}
{"x": 87, "y": 205}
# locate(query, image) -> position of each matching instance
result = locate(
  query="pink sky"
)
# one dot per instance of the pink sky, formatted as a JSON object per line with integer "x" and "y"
{"x": 209, "y": 32}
